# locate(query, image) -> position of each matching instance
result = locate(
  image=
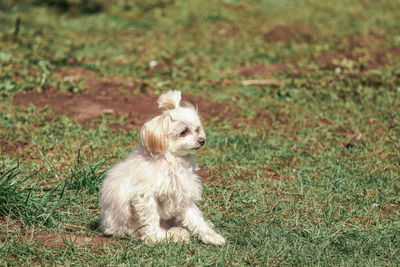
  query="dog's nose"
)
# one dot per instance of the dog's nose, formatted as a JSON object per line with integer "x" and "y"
{"x": 202, "y": 141}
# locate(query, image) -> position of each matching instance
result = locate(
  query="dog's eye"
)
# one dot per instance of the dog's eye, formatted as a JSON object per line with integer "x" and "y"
{"x": 197, "y": 129}
{"x": 184, "y": 132}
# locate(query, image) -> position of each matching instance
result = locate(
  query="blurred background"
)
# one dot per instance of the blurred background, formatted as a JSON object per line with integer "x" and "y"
{"x": 300, "y": 102}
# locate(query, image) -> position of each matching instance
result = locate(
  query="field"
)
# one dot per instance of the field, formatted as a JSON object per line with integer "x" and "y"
{"x": 300, "y": 101}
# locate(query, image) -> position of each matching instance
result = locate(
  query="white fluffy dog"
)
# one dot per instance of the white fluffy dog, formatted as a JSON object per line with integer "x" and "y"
{"x": 153, "y": 194}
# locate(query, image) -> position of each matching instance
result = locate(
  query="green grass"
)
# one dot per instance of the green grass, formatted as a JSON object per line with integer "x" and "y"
{"x": 305, "y": 172}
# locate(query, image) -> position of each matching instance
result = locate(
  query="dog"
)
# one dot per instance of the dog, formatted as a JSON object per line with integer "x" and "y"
{"x": 153, "y": 195}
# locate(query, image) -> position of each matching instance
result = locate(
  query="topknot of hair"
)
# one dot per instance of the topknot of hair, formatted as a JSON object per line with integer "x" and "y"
{"x": 169, "y": 100}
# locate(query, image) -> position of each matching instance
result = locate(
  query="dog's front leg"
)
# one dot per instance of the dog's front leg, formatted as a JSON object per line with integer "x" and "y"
{"x": 147, "y": 213}
{"x": 192, "y": 218}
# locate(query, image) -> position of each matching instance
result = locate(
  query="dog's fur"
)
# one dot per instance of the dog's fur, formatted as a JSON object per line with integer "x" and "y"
{"x": 153, "y": 194}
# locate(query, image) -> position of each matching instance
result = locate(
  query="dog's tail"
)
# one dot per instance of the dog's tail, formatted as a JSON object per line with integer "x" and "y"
{"x": 169, "y": 100}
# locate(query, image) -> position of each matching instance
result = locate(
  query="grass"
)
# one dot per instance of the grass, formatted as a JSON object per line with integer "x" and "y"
{"x": 303, "y": 171}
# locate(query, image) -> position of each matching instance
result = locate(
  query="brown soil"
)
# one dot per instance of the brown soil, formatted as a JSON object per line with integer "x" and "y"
{"x": 267, "y": 70}
{"x": 391, "y": 209}
{"x": 288, "y": 33}
{"x": 207, "y": 177}
{"x": 359, "y": 48}
{"x": 326, "y": 59}
{"x": 9, "y": 148}
{"x": 364, "y": 40}
{"x": 395, "y": 51}
{"x": 236, "y": 7}
{"x": 105, "y": 97}
{"x": 378, "y": 58}
{"x": 268, "y": 120}
{"x": 59, "y": 240}
{"x": 374, "y": 59}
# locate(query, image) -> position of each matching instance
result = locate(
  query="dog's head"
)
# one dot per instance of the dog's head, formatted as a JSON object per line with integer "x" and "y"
{"x": 178, "y": 129}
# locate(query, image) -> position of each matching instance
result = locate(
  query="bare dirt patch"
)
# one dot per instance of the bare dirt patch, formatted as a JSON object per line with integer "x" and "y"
{"x": 207, "y": 177}
{"x": 395, "y": 51}
{"x": 288, "y": 33}
{"x": 377, "y": 58}
{"x": 326, "y": 59}
{"x": 10, "y": 148}
{"x": 266, "y": 70}
{"x": 114, "y": 95}
{"x": 213, "y": 176}
{"x": 364, "y": 60}
{"x": 362, "y": 50}
{"x": 236, "y": 7}
{"x": 391, "y": 209}
{"x": 60, "y": 240}
{"x": 271, "y": 120}
{"x": 365, "y": 40}
{"x": 54, "y": 239}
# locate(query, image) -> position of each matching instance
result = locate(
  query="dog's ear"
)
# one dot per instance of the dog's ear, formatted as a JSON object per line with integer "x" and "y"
{"x": 169, "y": 100}
{"x": 154, "y": 134}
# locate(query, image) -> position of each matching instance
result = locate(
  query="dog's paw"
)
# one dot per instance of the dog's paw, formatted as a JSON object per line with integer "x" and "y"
{"x": 212, "y": 238}
{"x": 178, "y": 234}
